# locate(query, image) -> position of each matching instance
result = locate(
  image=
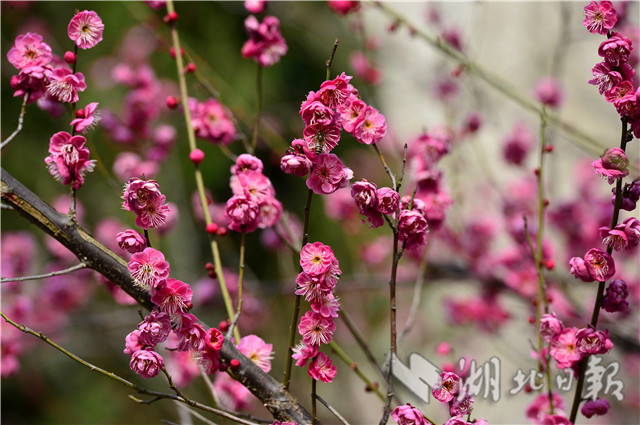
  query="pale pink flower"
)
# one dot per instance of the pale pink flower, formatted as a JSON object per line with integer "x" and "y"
{"x": 408, "y": 415}
{"x": 64, "y": 85}
{"x": 86, "y": 118}
{"x": 599, "y": 17}
{"x": 370, "y": 127}
{"x": 540, "y": 407}
{"x": 173, "y": 297}
{"x": 308, "y": 286}
{"x": 447, "y": 387}
{"x": 252, "y": 184}
{"x": 316, "y": 329}
{"x": 257, "y": 351}
{"x": 327, "y": 175}
{"x": 182, "y": 368}
{"x": 143, "y": 197}
{"x": 231, "y": 393}
{"x": 29, "y": 50}
{"x": 321, "y": 368}
{"x": 131, "y": 241}
{"x": 564, "y": 348}
{"x": 148, "y": 268}
{"x": 265, "y": 45}
{"x": 209, "y": 360}
{"x": 68, "y": 161}
{"x": 302, "y": 353}
{"x": 270, "y": 212}
{"x": 246, "y": 162}
{"x": 154, "y": 329}
{"x": 327, "y": 305}
{"x": 548, "y": 92}
{"x": 131, "y": 343}
{"x": 316, "y": 258}
{"x": 146, "y": 363}
{"x": 127, "y": 165}
{"x": 17, "y": 251}
{"x": 85, "y": 29}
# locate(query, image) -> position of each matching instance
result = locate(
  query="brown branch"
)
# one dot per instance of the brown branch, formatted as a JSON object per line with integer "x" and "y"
{"x": 96, "y": 256}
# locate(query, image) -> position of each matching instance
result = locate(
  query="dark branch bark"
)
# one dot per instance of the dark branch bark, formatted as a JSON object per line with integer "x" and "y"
{"x": 270, "y": 392}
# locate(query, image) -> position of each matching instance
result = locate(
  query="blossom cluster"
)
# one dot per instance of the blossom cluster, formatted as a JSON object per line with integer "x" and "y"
{"x": 568, "y": 345}
{"x": 253, "y": 204}
{"x": 41, "y": 73}
{"x": 143, "y": 197}
{"x": 68, "y": 159}
{"x": 212, "y": 121}
{"x": 265, "y": 44}
{"x": 614, "y": 75}
{"x": 336, "y": 106}
{"x": 316, "y": 282}
{"x": 450, "y": 389}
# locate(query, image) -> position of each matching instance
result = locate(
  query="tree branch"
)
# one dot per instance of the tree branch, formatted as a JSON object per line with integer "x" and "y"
{"x": 282, "y": 405}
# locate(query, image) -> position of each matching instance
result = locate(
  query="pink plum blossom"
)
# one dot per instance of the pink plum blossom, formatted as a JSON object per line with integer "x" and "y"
{"x": 600, "y": 17}
{"x": 321, "y": 368}
{"x": 370, "y": 127}
{"x": 243, "y": 214}
{"x": 148, "y": 268}
{"x": 172, "y": 296}
{"x": 616, "y": 49}
{"x": 616, "y": 297}
{"x": 85, "y": 29}
{"x": 154, "y": 329}
{"x": 448, "y": 385}
{"x": 564, "y": 348}
{"x": 316, "y": 329}
{"x": 592, "y": 341}
{"x": 64, "y": 85}
{"x": 343, "y": 7}
{"x": 408, "y": 415}
{"x": 266, "y": 44}
{"x": 86, "y": 118}
{"x": 595, "y": 407}
{"x": 388, "y": 201}
{"x": 68, "y": 161}
{"x": 316, "y": 258}
{"x": 29, "y": 50}
{"x": 146, "y": 363}
{"x": 131, "y": 241}
{"x": 257, "y": 351}
{"x": 211, "y": 121}
{"x": 364, "y": 194}
{"x": 302, "y": 353}
{"x": 327, "y": 175}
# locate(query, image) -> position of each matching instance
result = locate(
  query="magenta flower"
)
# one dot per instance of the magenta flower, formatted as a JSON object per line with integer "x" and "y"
{"x": 614, "y": 238}
{"x": 327, "y": 305}
{"x": 213, "y": 339}
{"x": 265, "y": 45}
{"x": 595, "y": 407}
{"x": 29, "y": 50}
{"x": 192, "y": 333}
{"x": 412, "y": 226}
{"x": 246, "y": 162}
{"x": 448, "y": 385}
{"x": 461, "y": 405}
{"x": 146, "y": 363}
{"x": 316, "y": 112}
{"x": 579, "y": 269}
{"x": 550, "y": 326}
{"x": 631, "y": 228}
{"x": 295, "y": 163}
{"x": 623, "y": 97}
{"x": 148, "y": 268}
{"x": 564, "y": 348}
{"x": 143, "y": 197}
{"x": 350, "y": 111}
{"x": 131, "y": 241}
{"x": 408, "y": 415}
{"x": 68, "y": 161}
{"x": 388, "y": 201}
{"x": 154, "y": 214}
{"x": 599, "y": 264}
{"x": 64, "y": 85}
{"x": 316, "y": 258}
{"x": 257, "y": 351}
{"x": 540, "y": 407}
{"x": 173, "y": 297}
{"x": 334, "y": 93}
{"x": 599, "y": 17}
{"x": 87, "y": 118}
{"x": 370, "y": 127}
{"x": 321, "y": 138}
{"x": 616, "y": 297}
{"x": 590, "y": 341}
{"x": 33, "y": 80}
{"x": 85, "y": 29}
{"x": 254, "y": 185}
{"x": 316, "y": 329}
{"x": 457, "y": 420}
{"x": 308, "y": 287}
{"x": 616, "y": 49}
{"x": 548, "y": 92}
{"x": 255, "y": 6}
{"x": 365, "y": 194}
{"x": 604, "y": 77}
{"x": 211, "y": 121}
{"x": 243, "y": 214}
{"x": 321, "y": 368}
{"x": 302, "y": 353}
{"x": 327, "y": 175}
{"x": 154, "y": 329}
{"x": 343, "y": 7}
{"x": 517, "y": 144}
{"x": 270, "y": 212}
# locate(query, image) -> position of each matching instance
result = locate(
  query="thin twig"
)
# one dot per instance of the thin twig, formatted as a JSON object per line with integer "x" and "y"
{"x": 417, "y": 295}
{"x": 44, "y": 276}
{"x": 386, "y": 167}
{"x": 346, "y": 318}
{"x": 314, "y": 410}
{"x": 198, "y": 173}
{"x": 138, "y": 389}
{"x": 330, "y": 60}
{"x": 234, "y": 322}
{"x": 332, "y": 410}
{"x": 23, "y": 110}
{"x": 354, "y": 366}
